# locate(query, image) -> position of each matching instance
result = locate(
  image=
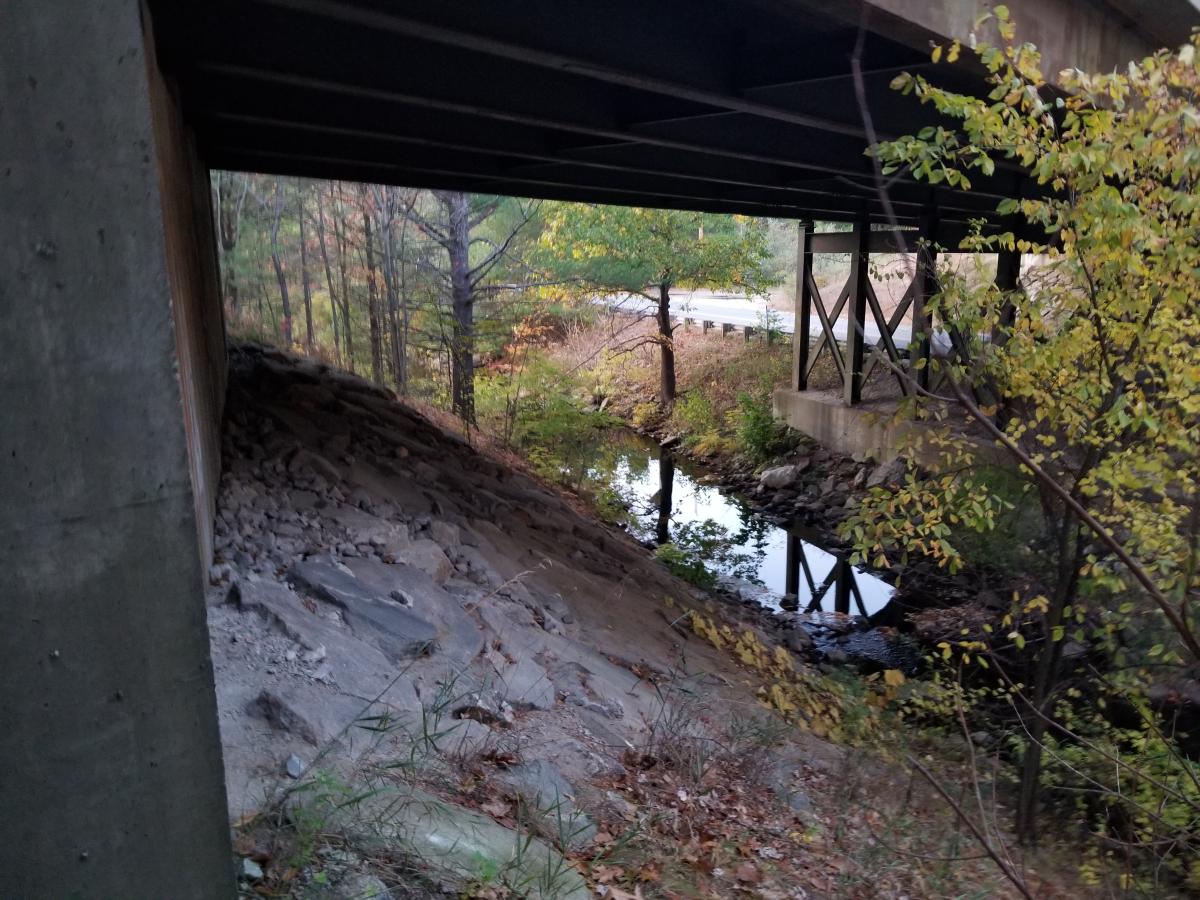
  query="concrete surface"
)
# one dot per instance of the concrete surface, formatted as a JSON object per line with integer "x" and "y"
{"x": 1086, "y": 34}
{"x": 851, "y": 430}
{"x": 110, "y": 766}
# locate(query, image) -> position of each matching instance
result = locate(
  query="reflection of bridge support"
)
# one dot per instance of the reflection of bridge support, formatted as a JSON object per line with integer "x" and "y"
{"x": 841, "y": 578}
{"x": 112, "y": 782}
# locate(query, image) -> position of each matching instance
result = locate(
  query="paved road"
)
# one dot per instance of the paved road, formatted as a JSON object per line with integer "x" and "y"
{"x": 754, "y": 312}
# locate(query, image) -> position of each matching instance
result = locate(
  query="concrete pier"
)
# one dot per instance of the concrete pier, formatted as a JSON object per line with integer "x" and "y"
{"x": 111, "y": 781}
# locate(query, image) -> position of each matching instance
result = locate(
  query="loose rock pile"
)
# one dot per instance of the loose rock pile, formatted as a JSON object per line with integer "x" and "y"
{"x": 373, "y": 569}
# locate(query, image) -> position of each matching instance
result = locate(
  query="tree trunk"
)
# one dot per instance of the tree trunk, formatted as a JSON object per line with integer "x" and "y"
{"x": 462, "y": 342}
{"x": 666, "y": 347}
{"x": 229, "y": 226}
{"x": 402, "y": 342}
{"x": 304, "y": 279}
{"x": 1069, "y": 551}
{"x": 385, "y": 209}
{"x": 278, "y": 264}
{"x": 333, "y": 304}
{"x": 372, "y": 292}
{"x": 340, "y": 242}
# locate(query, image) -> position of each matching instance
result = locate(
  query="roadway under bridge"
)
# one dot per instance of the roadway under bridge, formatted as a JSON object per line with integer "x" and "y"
{"x": 112, "y": 381}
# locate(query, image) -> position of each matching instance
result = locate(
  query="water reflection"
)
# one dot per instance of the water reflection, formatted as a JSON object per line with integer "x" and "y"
{"x": 790, "y": 568}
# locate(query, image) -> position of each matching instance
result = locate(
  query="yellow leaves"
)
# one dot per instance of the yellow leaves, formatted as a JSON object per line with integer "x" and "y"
{"x": 893, "y": 677}
{"x": 936, "y": 55}
{"x": 1040, "y": 603}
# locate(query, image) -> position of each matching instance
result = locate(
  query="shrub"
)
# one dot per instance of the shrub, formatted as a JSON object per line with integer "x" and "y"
{"x": 760, "y": 435}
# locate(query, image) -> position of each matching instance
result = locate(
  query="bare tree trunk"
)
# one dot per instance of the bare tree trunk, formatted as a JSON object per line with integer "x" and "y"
{"x": 229, "y": 219}
{"x": 304, "y": 279}
{"x": 666, "y": 347}
{"x": 333, "y": 304}
{"x": 402, "y": 343}
{"x": 340, "y": 242}
{"x": 385, "y": 209}
{"x": 280, "y": 276}
{"x": 372, "y": 291}
{"x": 462, "y": 341}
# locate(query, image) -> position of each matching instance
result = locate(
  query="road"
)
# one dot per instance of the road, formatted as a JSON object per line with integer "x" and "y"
{"x": 755, "y": 313}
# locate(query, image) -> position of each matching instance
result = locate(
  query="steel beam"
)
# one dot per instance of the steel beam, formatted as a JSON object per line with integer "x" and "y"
{"x": 803, "y": 306}
{"x": 857, "y": 307}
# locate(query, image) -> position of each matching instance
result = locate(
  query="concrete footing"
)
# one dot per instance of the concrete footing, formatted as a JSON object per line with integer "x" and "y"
{"x": 851, "y": 430}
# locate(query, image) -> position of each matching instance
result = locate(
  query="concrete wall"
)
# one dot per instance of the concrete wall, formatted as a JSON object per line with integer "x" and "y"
{"x": 1070, "y": 33}
{"x": 195, "y": 294}
{"x": 111, "y": 782}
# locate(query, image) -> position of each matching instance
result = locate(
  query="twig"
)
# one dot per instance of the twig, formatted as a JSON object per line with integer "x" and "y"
{"x": 1004, "y": 867}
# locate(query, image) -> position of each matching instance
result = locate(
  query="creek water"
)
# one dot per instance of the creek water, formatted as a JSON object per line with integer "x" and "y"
{"x": 782, "y": 568}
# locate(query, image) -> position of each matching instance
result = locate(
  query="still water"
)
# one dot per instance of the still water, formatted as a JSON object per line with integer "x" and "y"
{"x": 787, "y": 568}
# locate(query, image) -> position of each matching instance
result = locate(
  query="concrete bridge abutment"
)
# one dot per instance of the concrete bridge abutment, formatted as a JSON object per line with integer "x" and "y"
{"x": 111, "y": 384}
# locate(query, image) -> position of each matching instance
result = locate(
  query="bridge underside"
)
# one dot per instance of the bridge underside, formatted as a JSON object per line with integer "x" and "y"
{"x": 750, "y": 108}
{"x": 112, "y": 377}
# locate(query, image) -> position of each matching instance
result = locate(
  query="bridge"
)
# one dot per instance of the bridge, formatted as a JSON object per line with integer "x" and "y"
{"x": 112, "y": 377}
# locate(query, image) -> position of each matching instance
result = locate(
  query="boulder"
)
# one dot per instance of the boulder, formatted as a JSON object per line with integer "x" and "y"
{"x": 458, "y": 636}
{"x": 398, "y": 632}
{"x": 427, "y": 556}
{"x": 887, "y": 474}
{"x": 778, "y": 477}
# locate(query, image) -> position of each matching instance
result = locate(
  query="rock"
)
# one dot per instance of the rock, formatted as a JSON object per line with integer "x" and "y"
{"x": 543, "y": 789}
{"x": 777, "y": 477}
{"x": 458, "y": 635}
{"x": 457, "y": 842}
{"x": 362, "y": 887}
{"x": 397, "y": 631}
{"x": 307, "y": 461}
{"x": 982, "y": 739}
{"x": 427, "y": 556}
{"x": 525, "y": 685}
{"x": 889, "y": 473}
{"x": 251, "y": 871}
{"x": 448, "y": 536}
{"x": 293, "y": 766}
{"x": 799, "y": 640}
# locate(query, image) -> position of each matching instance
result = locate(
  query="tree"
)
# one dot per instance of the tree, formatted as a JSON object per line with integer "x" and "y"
{"x": 1097, "y": 366}
{"x": 455, "y": 225}
{"x": 277, "y": 263}
{"x": 306, "y": 282}
{"x": 639, "y": 251}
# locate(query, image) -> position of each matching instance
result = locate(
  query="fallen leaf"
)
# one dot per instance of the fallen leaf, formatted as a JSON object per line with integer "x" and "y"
{"x": 748, "y": 873}
{"x": 604, "y": 873}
